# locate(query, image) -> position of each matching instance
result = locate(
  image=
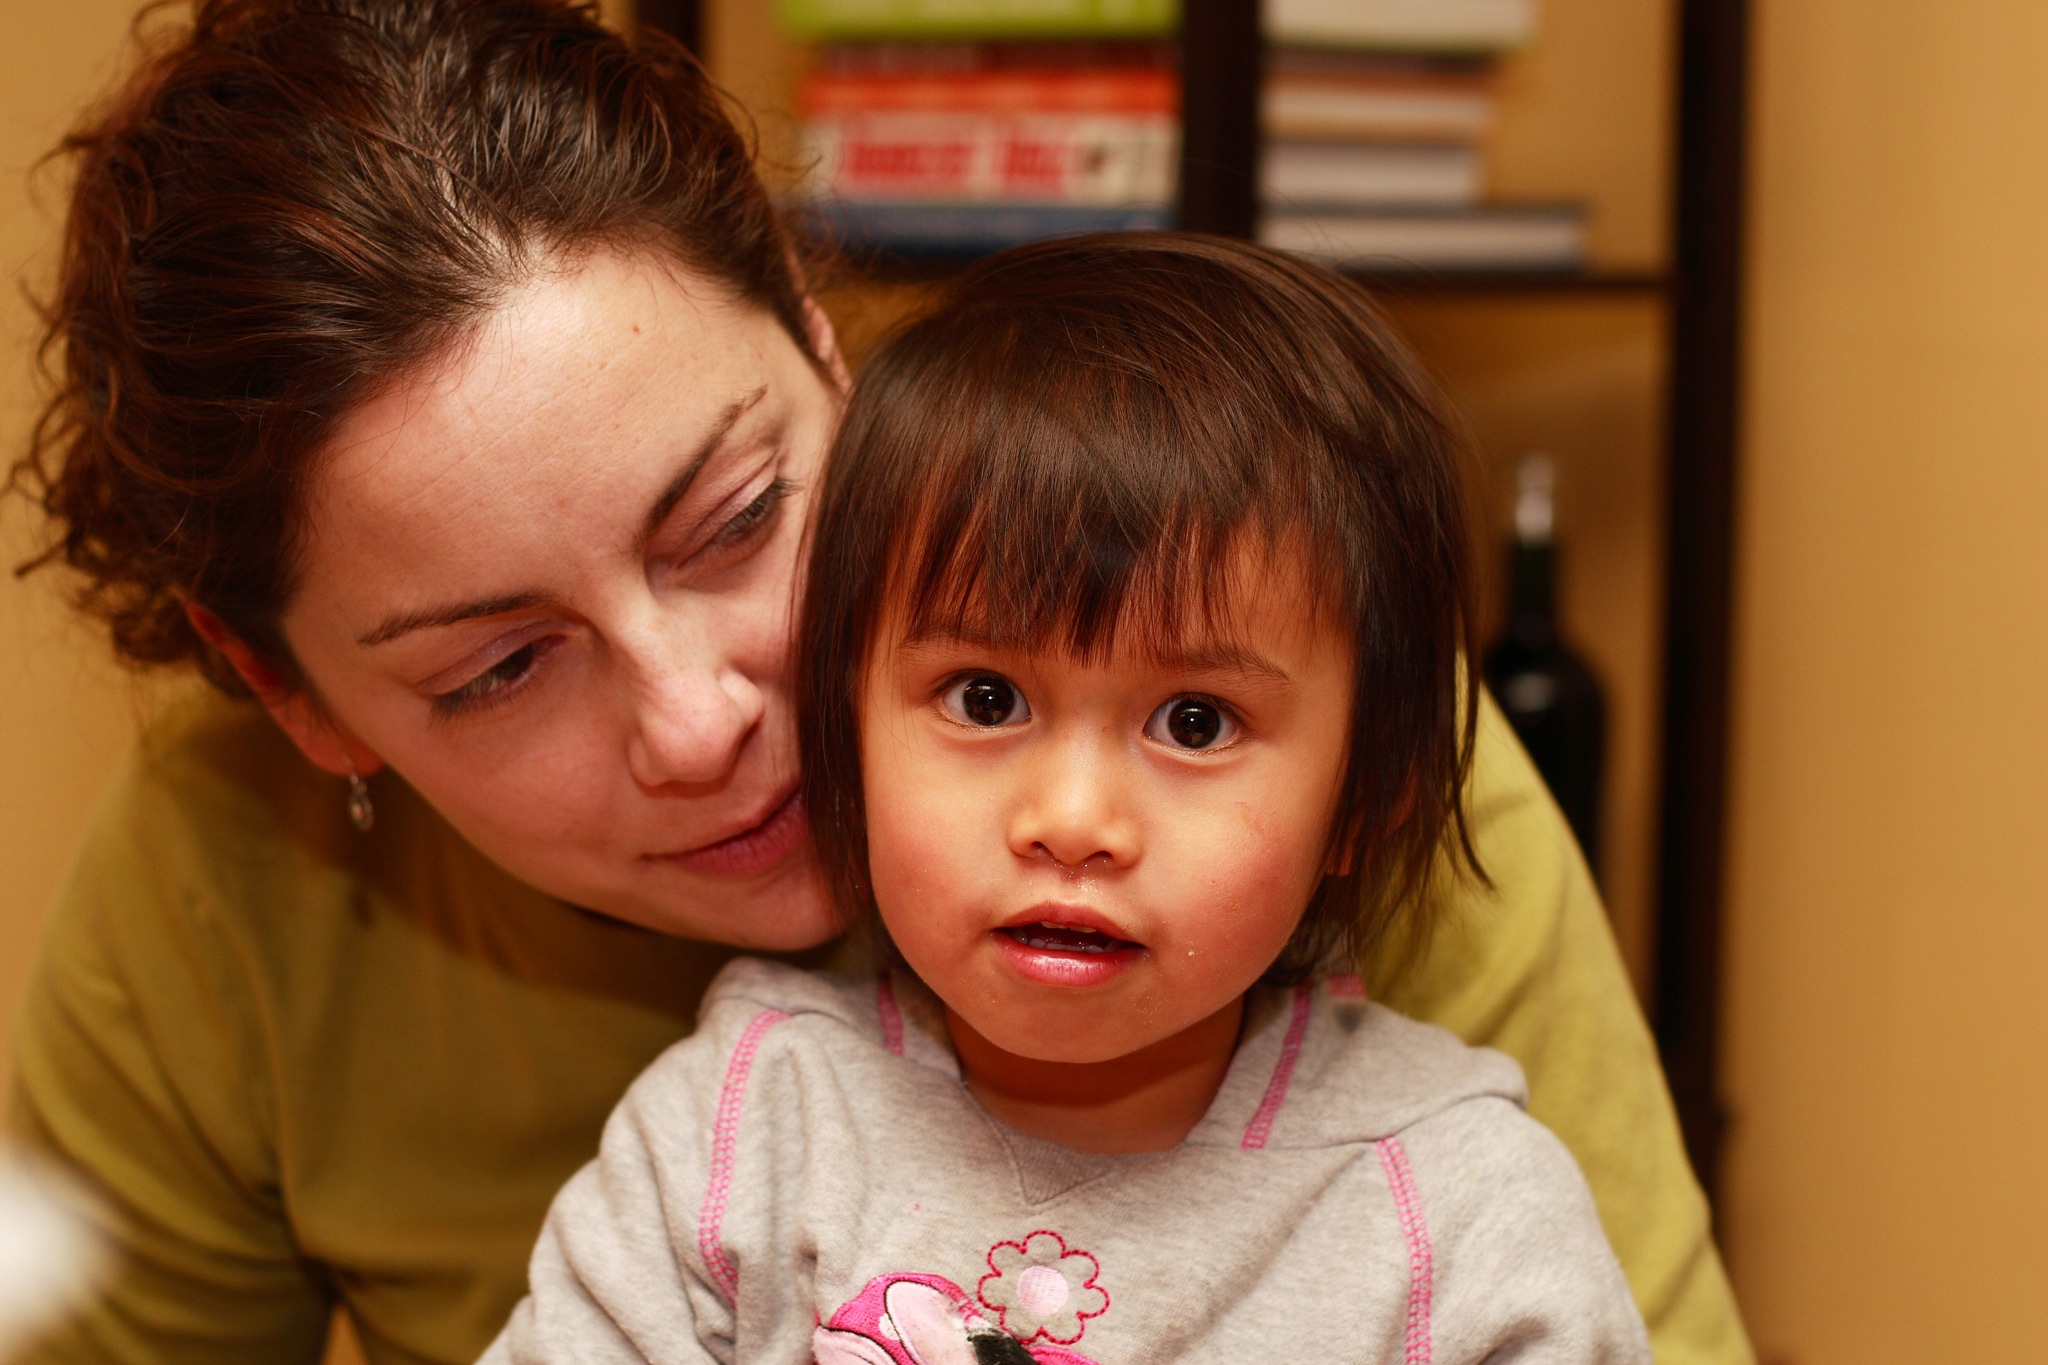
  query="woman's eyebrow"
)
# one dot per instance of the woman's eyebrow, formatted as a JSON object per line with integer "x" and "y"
{"x": 406, "y": 622}
{"x": 679, "y": 486}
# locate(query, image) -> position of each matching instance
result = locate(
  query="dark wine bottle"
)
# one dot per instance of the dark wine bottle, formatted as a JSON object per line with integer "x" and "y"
{"x": 1551, "y": 698}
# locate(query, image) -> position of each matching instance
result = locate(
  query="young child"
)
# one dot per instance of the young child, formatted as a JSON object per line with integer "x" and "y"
{"x": 1133, "y": 714}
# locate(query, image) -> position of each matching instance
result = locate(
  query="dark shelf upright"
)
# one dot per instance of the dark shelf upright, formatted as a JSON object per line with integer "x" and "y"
{"x": 682, "y": 20}
{"x": 1221, "y": 57}
{"x": 1703, "y": 415}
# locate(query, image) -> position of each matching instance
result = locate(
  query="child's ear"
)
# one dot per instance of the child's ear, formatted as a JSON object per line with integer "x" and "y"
{"x": 825, "y": 344}
{"x": 327, "y": 745}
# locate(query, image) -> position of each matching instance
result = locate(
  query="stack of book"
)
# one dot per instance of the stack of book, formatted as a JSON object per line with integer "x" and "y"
{"x": 953, "y": 127}
{"x": 937, "y": 127}
{"x": 1374, "y": 113}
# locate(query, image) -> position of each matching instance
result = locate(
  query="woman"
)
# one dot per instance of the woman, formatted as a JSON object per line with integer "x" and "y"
{"x": 436, "y": 375}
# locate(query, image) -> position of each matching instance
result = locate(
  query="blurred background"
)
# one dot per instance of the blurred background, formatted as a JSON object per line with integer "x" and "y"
{"x": 1852, "y": 324}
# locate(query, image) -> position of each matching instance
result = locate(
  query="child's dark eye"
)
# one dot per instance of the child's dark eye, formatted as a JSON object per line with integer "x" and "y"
{"x": 1191, "y": 723}
{"x": 986, "y": 700}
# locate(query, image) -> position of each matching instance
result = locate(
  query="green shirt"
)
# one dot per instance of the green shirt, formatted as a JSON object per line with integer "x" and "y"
{"x": 303, "y": 1066}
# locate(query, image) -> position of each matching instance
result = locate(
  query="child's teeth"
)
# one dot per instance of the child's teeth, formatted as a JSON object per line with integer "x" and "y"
{"x": 1042, "y": 935}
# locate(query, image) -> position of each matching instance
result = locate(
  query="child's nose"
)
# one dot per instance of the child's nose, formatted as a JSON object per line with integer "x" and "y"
{"x": 1076, "y": 811}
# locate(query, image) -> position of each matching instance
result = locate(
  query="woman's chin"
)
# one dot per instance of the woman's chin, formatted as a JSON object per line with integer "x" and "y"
{"x": 783, "y": 910}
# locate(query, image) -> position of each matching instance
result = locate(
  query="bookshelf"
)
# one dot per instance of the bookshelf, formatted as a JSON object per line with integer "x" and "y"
{"x": 1626, "y": 370}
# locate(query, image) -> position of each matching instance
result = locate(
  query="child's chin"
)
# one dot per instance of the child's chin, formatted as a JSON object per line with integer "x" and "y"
{"x": 1084, "y": 1055}
{"x": 1060, "y": 1035}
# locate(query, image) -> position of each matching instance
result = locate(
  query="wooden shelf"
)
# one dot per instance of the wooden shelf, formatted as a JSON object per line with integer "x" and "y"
{"x": 1427, "y": 283}
{"x": 858, "y": 265}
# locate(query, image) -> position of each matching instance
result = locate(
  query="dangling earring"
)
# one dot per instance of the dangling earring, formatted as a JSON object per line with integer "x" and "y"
{"x": 360, "y": 813}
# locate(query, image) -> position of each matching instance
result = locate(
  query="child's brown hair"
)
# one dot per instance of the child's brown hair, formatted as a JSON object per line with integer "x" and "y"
{"x": 1078, "y": 442}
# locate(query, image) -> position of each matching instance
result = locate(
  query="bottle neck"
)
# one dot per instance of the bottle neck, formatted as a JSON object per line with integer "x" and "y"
{"x": 1532, "y": 601}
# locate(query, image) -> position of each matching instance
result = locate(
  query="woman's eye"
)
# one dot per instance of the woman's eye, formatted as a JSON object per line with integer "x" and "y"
{"x": 507, "y": 673}
{"x": 1191, "y": 723}
{"x": 986, "y": 700}
{"x": 755, "y": 515}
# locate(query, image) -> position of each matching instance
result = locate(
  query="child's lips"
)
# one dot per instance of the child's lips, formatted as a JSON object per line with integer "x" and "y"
{"x": 1067, "y": 917}
{"x": 1066, "y": 946}
{"x": 1066, "y": 938}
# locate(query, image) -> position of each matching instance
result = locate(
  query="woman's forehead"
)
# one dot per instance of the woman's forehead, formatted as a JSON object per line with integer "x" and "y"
{"x": 572, "y": 374}
{"x": 562, "y": 421}
{"x": 570, "y": 358}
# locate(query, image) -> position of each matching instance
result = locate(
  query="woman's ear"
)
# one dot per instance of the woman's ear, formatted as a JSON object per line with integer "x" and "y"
{"x": 325, "y": 744}
{"x": 825, "y": 344}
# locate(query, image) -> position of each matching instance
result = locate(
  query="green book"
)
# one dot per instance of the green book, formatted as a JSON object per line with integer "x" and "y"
{"x": 887, "y": 19}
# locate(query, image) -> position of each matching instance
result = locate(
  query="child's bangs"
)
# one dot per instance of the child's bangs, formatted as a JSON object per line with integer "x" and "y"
{"x": 1120, "y": 525}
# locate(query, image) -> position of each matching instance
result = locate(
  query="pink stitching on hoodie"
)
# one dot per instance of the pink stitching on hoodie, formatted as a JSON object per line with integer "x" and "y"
{"x": 1256, "y": 1131}
{"x": 1421, "y": 1255}
{"x": 724, "y": 1133}
{"x": 892, "y": 1018}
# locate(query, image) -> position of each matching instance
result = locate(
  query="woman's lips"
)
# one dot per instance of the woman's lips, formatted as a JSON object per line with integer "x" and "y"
{"x": 1066, "y": 946}
{"x": 751, "y": 851}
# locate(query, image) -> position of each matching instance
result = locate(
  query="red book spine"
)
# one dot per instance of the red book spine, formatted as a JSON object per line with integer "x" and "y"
{"x": 1110, "y": 91}
{"x": 968, "y": 157}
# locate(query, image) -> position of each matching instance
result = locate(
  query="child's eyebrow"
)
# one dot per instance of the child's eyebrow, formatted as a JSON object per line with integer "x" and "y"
{"x": 1222, "y": 658}
{"x": 1215, "y": 656}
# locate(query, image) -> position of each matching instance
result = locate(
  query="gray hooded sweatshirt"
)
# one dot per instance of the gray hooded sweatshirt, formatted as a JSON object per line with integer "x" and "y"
{"x": 806, "y": 1179}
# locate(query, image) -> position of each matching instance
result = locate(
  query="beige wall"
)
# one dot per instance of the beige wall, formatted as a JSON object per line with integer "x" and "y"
{"x": 1888, "y": 993}
{"x": 65, "y": 714}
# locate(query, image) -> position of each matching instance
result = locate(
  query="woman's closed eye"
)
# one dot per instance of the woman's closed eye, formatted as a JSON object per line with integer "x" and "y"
{"x": 1193, "y": 724}
{"x": 752, "y": 520}
{"x": 496, "y": 683}
{"x": 985, "y": 701}
{"x": 511, "y": 673}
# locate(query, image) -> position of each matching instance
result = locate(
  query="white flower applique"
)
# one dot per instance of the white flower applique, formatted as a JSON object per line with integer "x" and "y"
{"x": 1042, "y": 1288}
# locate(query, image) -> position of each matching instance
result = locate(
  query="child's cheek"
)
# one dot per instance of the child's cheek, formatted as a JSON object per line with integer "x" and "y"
{"x": 905, "y": 853}
{"x": 924, "y": 843}
{"x": 1256, "y": 875}
{"x": 893, "y": 792}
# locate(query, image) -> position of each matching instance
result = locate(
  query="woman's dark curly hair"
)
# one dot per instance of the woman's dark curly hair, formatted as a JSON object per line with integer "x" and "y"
{"x": 294, "y": 202}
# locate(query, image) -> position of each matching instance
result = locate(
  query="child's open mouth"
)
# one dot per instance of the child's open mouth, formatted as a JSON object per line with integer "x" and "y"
{"x": 1069, "y": 947}
{"x": 1065, "y": 938}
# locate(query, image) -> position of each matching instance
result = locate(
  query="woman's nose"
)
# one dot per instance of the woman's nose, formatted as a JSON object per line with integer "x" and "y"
{"x": 691, "y": 723}
{"x": 1075, "y": 808}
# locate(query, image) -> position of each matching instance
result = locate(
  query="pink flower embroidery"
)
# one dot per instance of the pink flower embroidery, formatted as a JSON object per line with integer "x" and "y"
{"x": 1040, "y": 1288}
